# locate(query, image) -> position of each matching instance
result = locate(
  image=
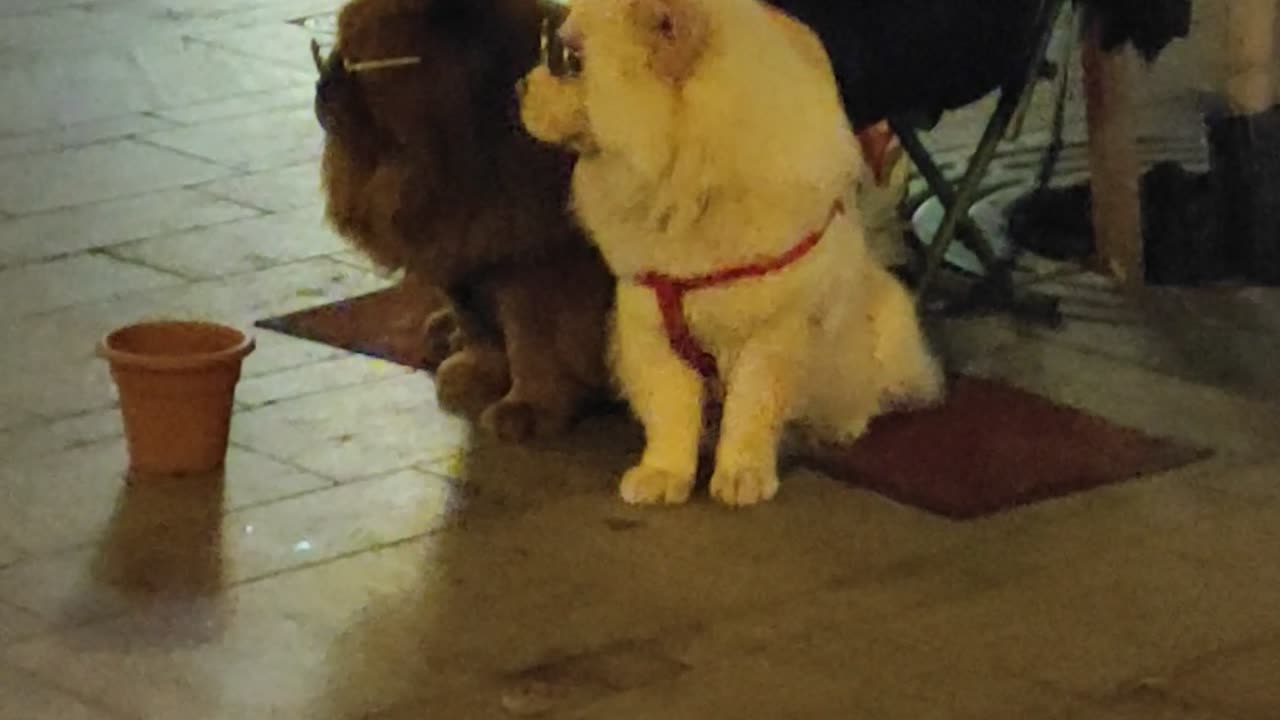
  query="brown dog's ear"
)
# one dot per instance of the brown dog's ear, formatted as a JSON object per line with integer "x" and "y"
{"x": 675, "y": 32}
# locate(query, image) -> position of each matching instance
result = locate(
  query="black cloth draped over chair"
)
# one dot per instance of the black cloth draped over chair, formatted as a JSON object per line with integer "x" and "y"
{"x": 910, "y": 61}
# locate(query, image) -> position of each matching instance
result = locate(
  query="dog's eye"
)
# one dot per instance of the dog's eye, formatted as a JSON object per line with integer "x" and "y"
{"x": 561, "y": 60}
{"x": 572, "y": 64}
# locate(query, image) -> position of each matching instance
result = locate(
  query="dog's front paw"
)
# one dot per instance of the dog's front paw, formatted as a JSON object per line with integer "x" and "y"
{"x": 518, "y": 421}
{"x": 742, "y": 486}
{"x": 441, "y": 338}
{"x": 466, "y": 384}
{"x": 644, "y": 485}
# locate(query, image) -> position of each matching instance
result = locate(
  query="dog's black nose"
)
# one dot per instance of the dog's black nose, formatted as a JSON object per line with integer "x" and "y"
{"x": 332, "y": 78}
{"x": 325, "y": 88}
{"x": 322, "y": 114}
{"x": 332, "y": 69}
{"x": 326, "y": 100}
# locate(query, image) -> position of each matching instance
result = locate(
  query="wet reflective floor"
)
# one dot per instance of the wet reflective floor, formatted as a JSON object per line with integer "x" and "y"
{"x": 363, "y": 556}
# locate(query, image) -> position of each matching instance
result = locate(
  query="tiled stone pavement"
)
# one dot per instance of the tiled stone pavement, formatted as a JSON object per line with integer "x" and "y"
{"x": 366, "y": 558}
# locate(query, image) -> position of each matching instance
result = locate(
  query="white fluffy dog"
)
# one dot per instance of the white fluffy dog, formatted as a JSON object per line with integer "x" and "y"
{"x": 714, "y": 174}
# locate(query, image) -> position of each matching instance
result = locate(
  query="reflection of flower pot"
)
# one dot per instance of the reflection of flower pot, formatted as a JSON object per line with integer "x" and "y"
{"x": 177, "y": 383}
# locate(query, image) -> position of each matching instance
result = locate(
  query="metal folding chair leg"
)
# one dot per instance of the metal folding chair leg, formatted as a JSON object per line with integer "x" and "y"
{"x": 969, "y": 233}
{"x": 958, "y": 200}
{"x": 996, "y": 290}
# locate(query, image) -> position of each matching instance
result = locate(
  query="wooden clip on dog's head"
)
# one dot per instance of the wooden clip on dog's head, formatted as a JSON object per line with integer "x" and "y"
{"x": 336, "y": 61}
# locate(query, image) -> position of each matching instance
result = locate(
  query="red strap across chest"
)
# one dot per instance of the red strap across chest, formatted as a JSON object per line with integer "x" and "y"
{"x": 670, "y": 290}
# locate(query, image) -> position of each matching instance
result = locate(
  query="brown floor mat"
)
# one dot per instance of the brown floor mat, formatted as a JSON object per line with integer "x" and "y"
{"x": 991, "y": 447}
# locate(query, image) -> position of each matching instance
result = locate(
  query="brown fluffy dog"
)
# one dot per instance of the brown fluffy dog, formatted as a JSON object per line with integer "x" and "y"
{"x": 427, "y": 170}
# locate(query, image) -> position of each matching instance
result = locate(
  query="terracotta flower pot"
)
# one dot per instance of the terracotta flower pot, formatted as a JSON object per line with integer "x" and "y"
{"x": 177, "y": 383}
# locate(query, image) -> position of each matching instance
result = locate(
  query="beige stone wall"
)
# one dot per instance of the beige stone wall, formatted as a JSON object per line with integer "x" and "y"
{"x": 1200, "y": 62}
{"x": 1169, "y": 93}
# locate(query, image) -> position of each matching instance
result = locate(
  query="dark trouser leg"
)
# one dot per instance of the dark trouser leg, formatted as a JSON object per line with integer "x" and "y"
{"x": 1245, "y": 177}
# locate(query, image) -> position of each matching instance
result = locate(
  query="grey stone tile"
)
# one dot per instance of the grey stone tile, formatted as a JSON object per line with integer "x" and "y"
{"x": 41, "y": 38}
{"x": 315, "y": 378}
{"x": 59, "y": 346}
{"x": 276, "y": 353}
{"x": 356, "y": 259}
{"x": 1147, "y": 706}
{"x": 609, "y": 572}
{"x": 183, "y": 11}
{"x": 1100, "y": 617}
{"x": 1256, "y": 483}
{"x": 53, "y": 339}
{"x": 26, "y": 697}
{"x": 16, "y": 8}
{"x": 531, "y": 575}
{"x": 85, "y": 227}
{"x": 260, "y": 650}
{"x": 165, "y": 71}
{"x": 69, "y": 388}
{"x": 59, "y": 436}
{"x": 195, "y": 16}
{"x": 1138, "y": 397}
{"x": 95, "y": 173}
{"x": 9, "y": 553}
{"x": 11, "y": 417}
{"x": 257, "y": 243}
{"x": 277, "y": 190}
{"x": 1219, "y": 517}
{"x": 1240, "y": 682}
{"x": 1249, "y": 309}
{"x": 819, "y": 655}
{"x": 87, "y": 133}
{"x": 1177, "y": 332}
{"x": 283, "y": 44}
{"x": 356, "y": 431}
{"x": 48, "y": 286}
{"x": 291, "y": 97}
{"x": 247, "y": 143}
{"x": 471, "y": 599}
{"x": 16, "y": 624}
{"x": 246, "y": 298}
{"x": 1221, "y": 357}
{"x": 71, "y": 498}
{"x": 165, "y": 544}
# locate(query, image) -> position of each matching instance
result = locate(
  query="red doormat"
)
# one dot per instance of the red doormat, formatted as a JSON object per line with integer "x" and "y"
{"x": 386, "y": 324}
{"x": 990, "y": 448}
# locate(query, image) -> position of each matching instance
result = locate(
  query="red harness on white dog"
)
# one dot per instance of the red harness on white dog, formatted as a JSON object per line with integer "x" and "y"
{"x": 670, "y": 291}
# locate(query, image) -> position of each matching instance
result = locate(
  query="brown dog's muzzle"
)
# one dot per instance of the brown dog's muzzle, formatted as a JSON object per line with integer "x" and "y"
{"x": 560, "y": 48}
{"x": 553, "y": 53}
{"x": 332, "y": 77}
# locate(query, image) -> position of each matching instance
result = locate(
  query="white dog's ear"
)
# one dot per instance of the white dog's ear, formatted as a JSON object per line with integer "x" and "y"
{"x": 675, "y": 31}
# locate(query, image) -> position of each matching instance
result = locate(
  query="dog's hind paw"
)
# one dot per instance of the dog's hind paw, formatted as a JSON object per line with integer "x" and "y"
{"x": 467, "y": 384}
{"x": 644, "y": 485}
{"x": 516, "y": 421}
{"x": 739, "y": 487}
{"x": 441, "y": 338}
